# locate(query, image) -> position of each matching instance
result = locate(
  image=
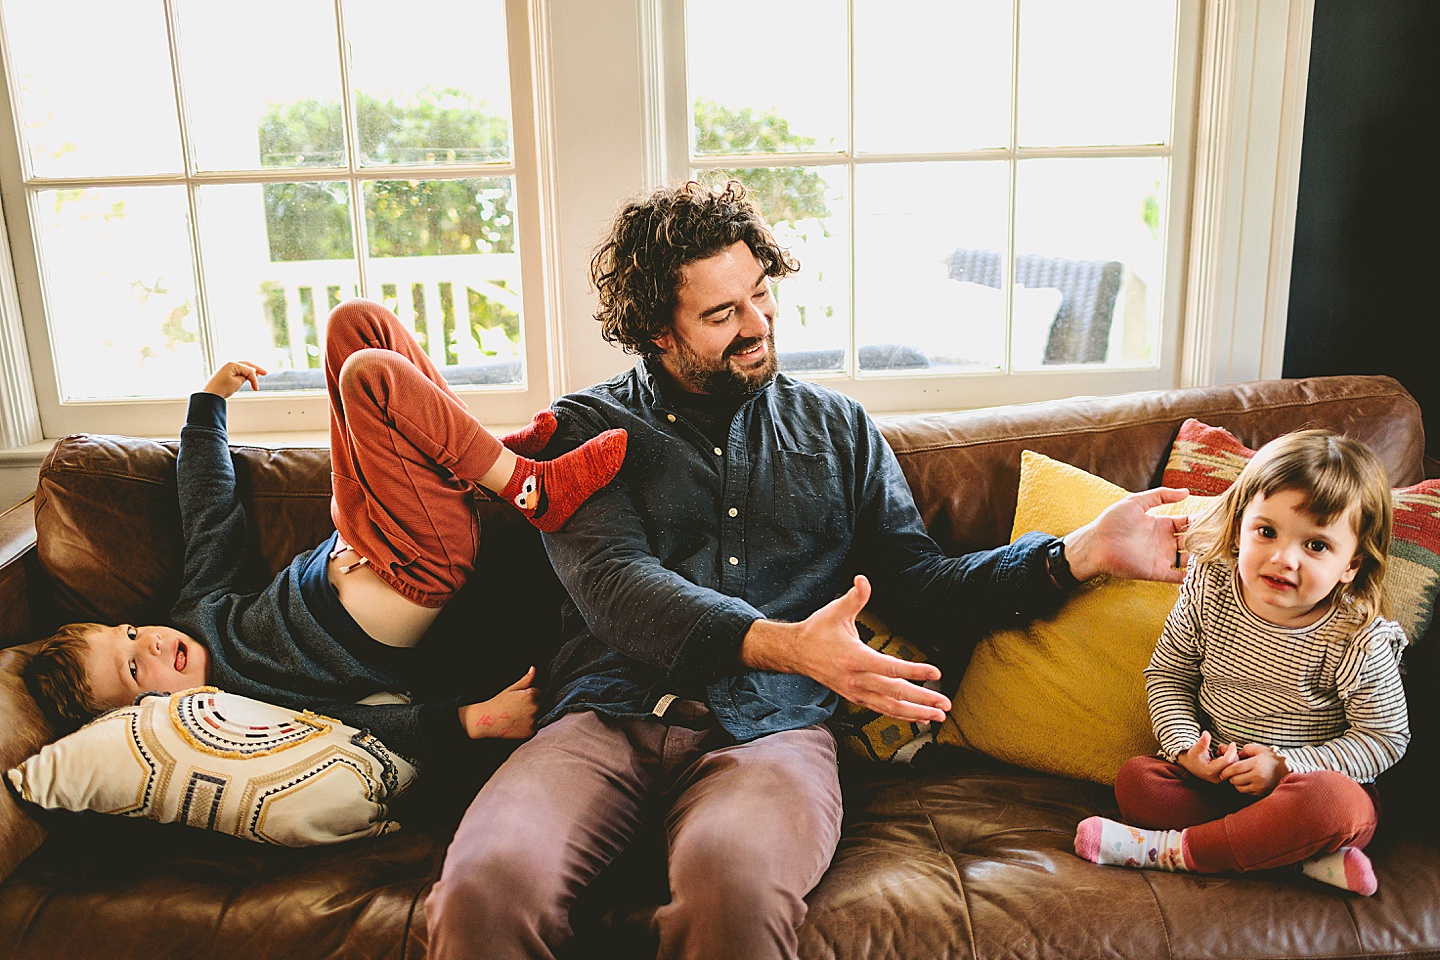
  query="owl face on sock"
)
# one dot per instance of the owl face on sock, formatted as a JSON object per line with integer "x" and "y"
{"x": 531, "y": 497}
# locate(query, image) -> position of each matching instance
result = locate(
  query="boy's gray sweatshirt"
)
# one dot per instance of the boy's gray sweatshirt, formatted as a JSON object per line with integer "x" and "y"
{"x": 263, "y": 641}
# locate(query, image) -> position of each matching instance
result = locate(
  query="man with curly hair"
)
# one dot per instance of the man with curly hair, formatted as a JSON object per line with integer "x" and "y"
{"x": 715, "y": 584}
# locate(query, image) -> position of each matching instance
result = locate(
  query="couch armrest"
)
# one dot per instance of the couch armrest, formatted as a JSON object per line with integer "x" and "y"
{"x": 17, "y": 567}
{"x": 23, "y": 729}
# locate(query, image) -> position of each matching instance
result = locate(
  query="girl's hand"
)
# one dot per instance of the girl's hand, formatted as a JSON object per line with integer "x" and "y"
{"x": 1258, "y": 771}
{"x": 234, "y": 375}
{"x": 1197, "y": 759}
{"x": 509, "y": 715}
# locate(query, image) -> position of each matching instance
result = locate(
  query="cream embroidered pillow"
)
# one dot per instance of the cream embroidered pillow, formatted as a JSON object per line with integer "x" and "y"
{"x": 223, "y": 762}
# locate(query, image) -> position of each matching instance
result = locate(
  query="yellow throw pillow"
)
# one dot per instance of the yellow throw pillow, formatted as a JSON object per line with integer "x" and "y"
{"x": 1066, "y": 694}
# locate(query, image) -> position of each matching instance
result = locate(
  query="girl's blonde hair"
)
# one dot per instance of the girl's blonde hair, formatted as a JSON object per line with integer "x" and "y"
{"x": 1332, "y": 472}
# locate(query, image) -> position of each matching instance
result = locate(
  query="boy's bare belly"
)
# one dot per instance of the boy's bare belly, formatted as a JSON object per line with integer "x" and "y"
{"x": 380, "y": 611}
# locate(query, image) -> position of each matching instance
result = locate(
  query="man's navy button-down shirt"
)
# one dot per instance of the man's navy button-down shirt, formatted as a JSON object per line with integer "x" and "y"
{"x": 669, "y": 565}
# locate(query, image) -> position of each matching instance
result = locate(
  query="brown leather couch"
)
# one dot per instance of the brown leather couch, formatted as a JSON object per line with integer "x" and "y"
{"x": 959, "y": 857}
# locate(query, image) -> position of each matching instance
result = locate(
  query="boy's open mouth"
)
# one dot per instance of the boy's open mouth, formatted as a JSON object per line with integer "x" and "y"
{"x": 180, "y": 658}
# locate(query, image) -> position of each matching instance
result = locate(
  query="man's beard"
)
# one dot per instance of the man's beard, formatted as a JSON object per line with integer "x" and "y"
{"x": 717, "y": 377}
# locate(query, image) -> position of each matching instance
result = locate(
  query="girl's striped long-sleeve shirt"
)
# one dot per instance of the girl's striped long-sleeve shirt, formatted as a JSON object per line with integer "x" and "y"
{"x": 1328, "y": 695}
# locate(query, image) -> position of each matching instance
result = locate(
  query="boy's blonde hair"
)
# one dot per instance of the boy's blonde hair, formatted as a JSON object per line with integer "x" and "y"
{"x": 57, "y": 679}
{"x": 1332, "y": 472}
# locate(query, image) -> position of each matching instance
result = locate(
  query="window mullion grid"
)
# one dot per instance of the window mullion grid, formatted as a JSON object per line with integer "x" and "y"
{"x": 852, "y": 350}
{"x": 358, "y": 226}
{"x": 192, "y": 192}
{"x": 1007, "y": 268}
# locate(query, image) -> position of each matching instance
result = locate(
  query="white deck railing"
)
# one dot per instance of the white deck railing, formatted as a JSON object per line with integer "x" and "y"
{"x": 494, "y": 276}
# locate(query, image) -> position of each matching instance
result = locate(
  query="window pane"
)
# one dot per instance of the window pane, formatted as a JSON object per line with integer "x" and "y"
{"x": 920, "y": 231}
{"x": 936, "y": 78}
{"x": 1096, "y": 73}
{"x": 278, "y": 256}
{"x": 808, "y": 211}
{"x": 443, "y": 257}
{"x": 432, "y": 85}
{"x": 116, "y": 268}
{"x": 95, "y": 96}
{"x": 263, "y": 89}
{"x": 755, "y": 96}
{"x": 1105, "y": 255}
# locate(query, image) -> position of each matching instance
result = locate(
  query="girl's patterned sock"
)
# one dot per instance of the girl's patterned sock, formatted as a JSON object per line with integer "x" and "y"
{"x": 1118, "y": 844}
{"x": 1347, "y": 868}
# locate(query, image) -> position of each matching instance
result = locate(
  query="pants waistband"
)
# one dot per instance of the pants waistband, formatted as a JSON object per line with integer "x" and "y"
{"x": 677, "y": 712}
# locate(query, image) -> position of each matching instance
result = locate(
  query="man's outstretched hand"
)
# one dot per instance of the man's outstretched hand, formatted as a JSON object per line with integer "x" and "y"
{"x": 1127, "y": 541}
{"x": 827, "y": 648}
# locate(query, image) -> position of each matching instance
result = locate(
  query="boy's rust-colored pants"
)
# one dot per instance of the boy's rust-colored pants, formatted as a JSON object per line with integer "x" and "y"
{"x": 1307, "y": 814}
{"x": 404, "y": 452}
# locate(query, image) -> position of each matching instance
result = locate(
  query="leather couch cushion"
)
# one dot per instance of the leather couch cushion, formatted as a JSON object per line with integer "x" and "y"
{"x": 26, "y": 731}
{"x": 983, "y": 865}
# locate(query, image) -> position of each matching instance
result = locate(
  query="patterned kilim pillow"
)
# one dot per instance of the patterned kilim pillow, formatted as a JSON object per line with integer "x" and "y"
{"x": 223, "y": 762}
{"x": 871, "y": 736}
{"x": 1205, "y": 459}
{"x": 1208, "y": 459}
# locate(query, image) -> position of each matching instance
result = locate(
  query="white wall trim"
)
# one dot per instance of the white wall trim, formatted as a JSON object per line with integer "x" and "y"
{"x": 1287, "y": 184}
{"x": 19, "y": 411}
{"x": 542, "y": 101}
{"x": 1251, "y": 117}
{"x": 651, "y": 29}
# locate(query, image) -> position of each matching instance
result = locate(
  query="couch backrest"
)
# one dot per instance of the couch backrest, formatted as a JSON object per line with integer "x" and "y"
{"x": 109, "y": 530}
{"x": 108, "y": 525}
{"x": 964, "y": 468}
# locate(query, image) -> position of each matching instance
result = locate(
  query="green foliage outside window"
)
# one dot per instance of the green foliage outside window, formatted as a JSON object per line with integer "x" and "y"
{"x": 405, "y": 218}
{"x": 784, "y": 194}
{"x": 311, "y": 220}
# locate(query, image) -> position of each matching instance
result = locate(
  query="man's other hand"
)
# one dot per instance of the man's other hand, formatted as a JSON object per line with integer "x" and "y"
{"x": 827, "y": 648}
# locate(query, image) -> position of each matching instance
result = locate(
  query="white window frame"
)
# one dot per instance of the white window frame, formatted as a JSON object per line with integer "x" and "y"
{"x": 592, "y": 93}
{"x": 292, "y": 413}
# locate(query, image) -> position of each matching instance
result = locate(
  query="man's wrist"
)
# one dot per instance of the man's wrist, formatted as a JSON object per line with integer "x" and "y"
{"x": 1080, "y": 554}
{"x": 761, "y": 644}
{"x": 1057, "y": 565}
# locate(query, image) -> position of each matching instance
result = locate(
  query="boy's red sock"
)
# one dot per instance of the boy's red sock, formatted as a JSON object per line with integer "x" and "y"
{"x": 549, "y": 491}
{"x": 530, "y": 439}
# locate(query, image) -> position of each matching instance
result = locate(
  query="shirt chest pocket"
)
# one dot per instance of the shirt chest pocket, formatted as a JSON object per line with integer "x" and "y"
{"x": 806, "y": 493}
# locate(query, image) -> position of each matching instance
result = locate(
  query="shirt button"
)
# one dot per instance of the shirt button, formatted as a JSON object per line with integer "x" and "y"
{"x": 734, "y": 512}
{"x": 734, "y": 561}
{"x": 719, "y": 452}
{"x": 670, "y": 417}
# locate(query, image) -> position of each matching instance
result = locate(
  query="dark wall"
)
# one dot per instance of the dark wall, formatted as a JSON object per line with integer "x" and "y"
{"x": 1365, "y": 284}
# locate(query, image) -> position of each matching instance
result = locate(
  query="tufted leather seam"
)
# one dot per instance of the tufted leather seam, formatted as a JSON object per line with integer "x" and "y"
{"x": 1114, "y": 425}
{"x": 61, "y": 471}
{"x": 954, "y": 867}
{"x": 420, "y": 891}
{"x": 1159, "y": 913}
